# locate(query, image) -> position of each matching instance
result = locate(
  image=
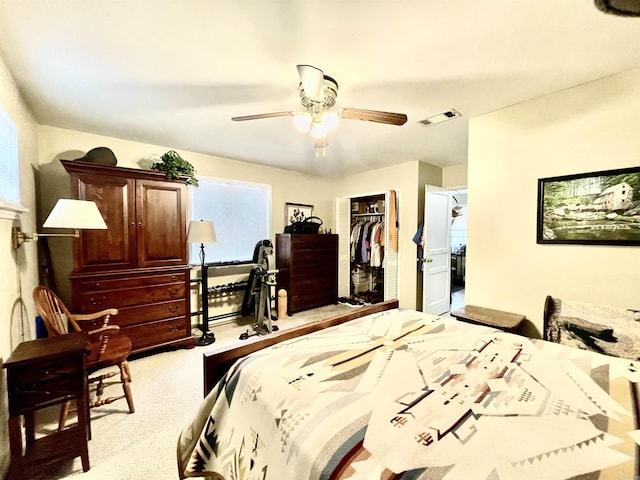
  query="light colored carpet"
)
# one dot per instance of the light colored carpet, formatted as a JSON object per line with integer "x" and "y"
{"x": 167, "y": 389}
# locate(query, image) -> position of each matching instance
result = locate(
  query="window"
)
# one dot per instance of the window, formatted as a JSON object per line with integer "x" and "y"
{"x": 9, "y": 166}
{"x": 240, "y": 213}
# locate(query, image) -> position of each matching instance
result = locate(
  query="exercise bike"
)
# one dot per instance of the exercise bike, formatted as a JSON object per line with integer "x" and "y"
{"x": 260, "y": 290}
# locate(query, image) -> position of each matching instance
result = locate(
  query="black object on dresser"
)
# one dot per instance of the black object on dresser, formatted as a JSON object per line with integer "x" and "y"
{"x": 44, "y": 373}
{"x": 307, "y": 269}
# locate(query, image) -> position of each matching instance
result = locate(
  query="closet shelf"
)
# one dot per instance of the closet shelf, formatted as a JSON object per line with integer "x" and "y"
{"x": 367, "y": 214}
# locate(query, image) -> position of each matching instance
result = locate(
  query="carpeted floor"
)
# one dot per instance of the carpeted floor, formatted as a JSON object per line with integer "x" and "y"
{"x": 167, "y": 389}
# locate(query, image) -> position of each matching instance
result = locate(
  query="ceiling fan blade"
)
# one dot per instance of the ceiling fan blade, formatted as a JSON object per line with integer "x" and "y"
{"x": 262, "y": 115}
{"x": 374, "y": 116}
{"x": 312, "y": 80}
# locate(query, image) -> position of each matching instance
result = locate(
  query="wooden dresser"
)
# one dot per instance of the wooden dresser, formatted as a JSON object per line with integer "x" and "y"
{"x": 307, "y": 269}
{"x": 139, "y": 264}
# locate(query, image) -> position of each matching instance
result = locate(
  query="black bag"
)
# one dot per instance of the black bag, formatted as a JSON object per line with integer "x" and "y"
{"x": 308, "y": 225}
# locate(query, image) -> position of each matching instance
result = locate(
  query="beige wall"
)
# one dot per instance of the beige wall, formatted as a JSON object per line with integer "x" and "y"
{"x": 455, "y": 176}
{"x": 588, "y": 128}
{"x": 19, "y": 268}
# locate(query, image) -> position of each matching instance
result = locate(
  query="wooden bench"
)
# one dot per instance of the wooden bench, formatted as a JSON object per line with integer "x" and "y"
{"x": 509, "y": 322}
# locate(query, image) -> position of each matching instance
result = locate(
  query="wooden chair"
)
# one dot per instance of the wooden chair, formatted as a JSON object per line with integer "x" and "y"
{"x": 105, "y": 346}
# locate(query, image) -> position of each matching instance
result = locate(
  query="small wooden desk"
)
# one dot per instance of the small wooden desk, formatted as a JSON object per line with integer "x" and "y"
{"x": 509, "y": 322}
{"x": 42, "y": 373}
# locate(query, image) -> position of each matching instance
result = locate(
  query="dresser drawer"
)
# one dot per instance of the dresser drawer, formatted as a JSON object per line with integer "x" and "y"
{"x": 155, "y": 333}
{"x": 97, "y": 300}
{"x": 307, "y": 294}
{"x": 116, "y": 283}
{"x": 314, "y": 274}
{"x": 313, "y": 257}
{"x": 40, "y": 384}
{"x": 146, "y": 313}
{"x": 313, "y": 242}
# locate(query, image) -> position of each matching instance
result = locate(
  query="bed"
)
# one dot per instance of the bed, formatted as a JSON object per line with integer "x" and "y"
{"x": 399, "y": 394}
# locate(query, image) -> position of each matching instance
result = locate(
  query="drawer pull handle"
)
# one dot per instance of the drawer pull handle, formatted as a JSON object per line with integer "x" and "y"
{"x": 97, "y": 302}
{"x": 55, "y": 372}
{"x": 172, "y": 291}
{"x": 173, "y": 309}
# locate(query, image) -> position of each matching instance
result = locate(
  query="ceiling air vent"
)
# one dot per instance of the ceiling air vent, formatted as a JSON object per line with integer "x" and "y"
{"x": 440, "y": 117}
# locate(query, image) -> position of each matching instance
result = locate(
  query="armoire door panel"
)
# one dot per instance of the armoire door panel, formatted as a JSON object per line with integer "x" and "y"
{"x": 161, "y": 214}
{"x": 115, "y": 198}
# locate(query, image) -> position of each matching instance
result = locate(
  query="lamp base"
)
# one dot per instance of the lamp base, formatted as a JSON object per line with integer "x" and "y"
{"x": 206, "y": 339}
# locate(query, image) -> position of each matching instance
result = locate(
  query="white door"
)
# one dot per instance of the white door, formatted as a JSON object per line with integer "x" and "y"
{"x": 436, "y": 284}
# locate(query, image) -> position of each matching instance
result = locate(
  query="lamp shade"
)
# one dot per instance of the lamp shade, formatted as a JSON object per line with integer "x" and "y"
{"x": 201, "y": 231}
{"x": 78, "y": 214}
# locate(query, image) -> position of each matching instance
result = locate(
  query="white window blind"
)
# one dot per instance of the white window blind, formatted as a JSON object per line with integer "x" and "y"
{"x": 9, "y": 181}
{"x": 240, "y": 213}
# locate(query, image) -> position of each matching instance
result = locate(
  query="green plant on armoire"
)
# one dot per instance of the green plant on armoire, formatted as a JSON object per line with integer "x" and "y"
{"x": 175, "y": 167}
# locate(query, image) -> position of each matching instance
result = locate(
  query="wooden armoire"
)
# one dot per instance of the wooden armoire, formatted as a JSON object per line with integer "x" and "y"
{"x": 139, "y": 264}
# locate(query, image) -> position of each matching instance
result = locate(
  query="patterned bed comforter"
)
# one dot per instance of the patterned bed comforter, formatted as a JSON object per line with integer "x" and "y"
{"x": 407, "y": 395}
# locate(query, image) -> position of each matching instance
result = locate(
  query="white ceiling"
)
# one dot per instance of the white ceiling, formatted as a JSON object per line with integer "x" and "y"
{"x": 174, "y": 72}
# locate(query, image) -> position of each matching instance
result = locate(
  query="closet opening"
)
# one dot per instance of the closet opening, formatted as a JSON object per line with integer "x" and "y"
{"x": 367, "y": 226}
{"x": 367, "y": 252}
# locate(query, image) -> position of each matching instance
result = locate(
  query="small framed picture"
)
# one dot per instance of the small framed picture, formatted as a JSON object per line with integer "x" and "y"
{"x": 296, "y": 212}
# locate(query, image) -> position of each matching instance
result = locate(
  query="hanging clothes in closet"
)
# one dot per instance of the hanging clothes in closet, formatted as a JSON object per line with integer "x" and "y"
{"x": 367, "y": 242}
{"x": 367, "y": 257}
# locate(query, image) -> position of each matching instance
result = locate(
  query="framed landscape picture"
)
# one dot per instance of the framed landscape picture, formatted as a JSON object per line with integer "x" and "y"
{"x": 597, "y": 208}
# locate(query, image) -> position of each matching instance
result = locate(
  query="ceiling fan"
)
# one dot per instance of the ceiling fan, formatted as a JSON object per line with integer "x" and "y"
{"x": 318, "y": 94}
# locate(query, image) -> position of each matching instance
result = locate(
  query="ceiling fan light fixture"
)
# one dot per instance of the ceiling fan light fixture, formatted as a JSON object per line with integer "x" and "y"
{"x": 318, "y": 94}
{"x": 326, "y": 99}
{"x": 303, "y": 122}
{"x": 320, "y": 145}
{"x": 330, "y": 121}
{"x": 324, "y": 123}
{"x": 318, "y": 130}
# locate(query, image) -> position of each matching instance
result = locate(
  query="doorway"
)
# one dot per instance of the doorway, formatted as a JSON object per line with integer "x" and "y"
{"x": 458, "y": 247}
{"x": 445, "y": 244}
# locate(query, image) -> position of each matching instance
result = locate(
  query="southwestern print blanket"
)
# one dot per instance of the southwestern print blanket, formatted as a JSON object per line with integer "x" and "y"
{"x": 407, "y": 395}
